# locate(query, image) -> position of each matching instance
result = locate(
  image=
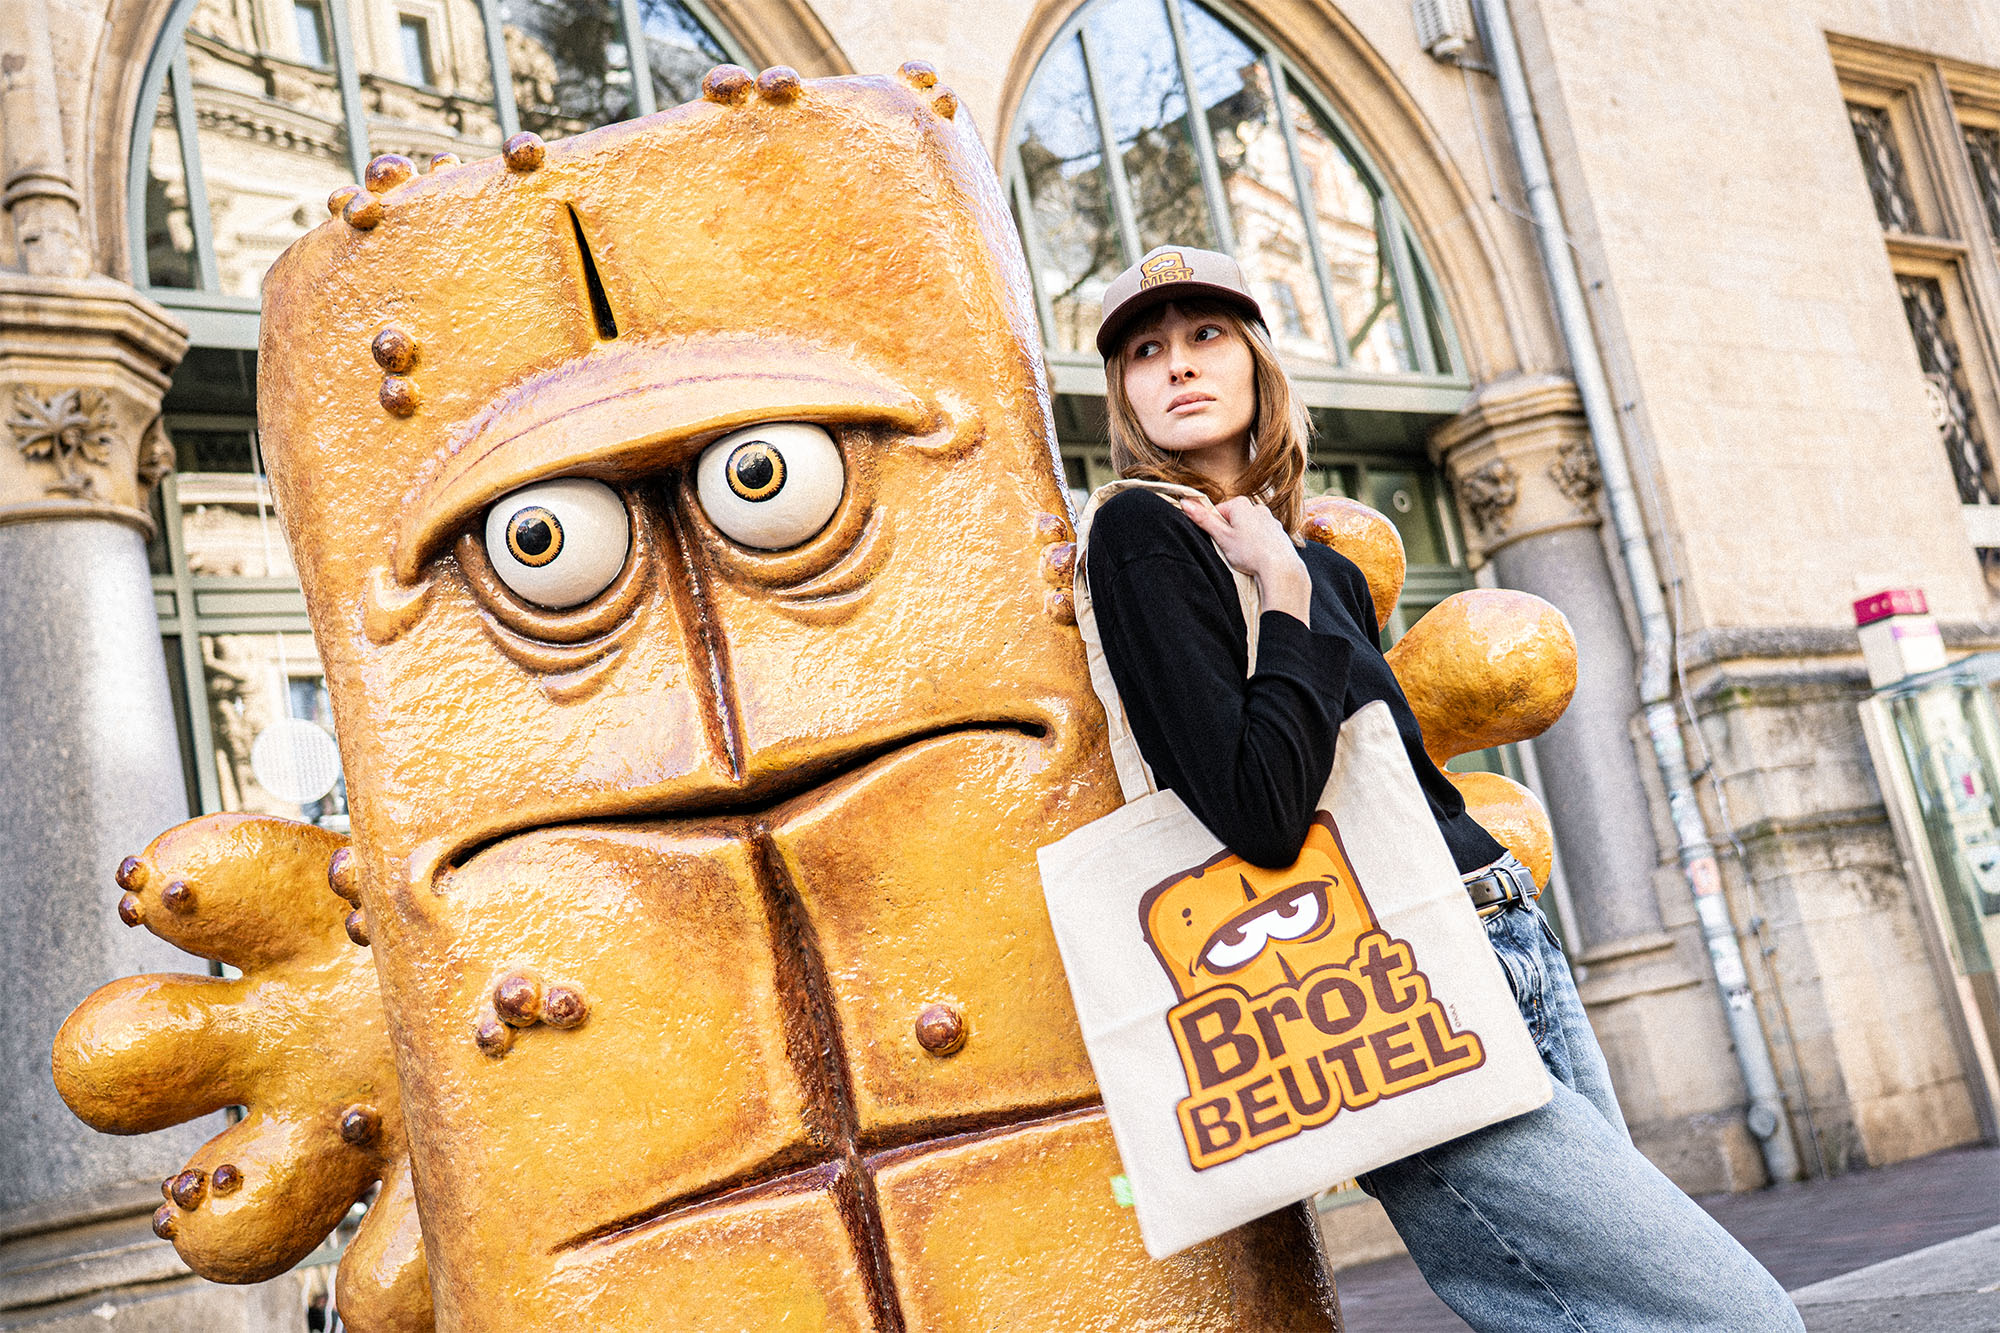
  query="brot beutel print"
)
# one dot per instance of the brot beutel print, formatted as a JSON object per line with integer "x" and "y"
{"x": 1294, "y": 1003}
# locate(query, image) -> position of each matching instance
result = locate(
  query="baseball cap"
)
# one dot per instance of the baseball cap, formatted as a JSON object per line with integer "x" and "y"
{"x": 1171, "y": 273}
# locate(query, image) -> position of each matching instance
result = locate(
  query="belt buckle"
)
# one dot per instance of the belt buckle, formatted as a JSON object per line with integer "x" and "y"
{"x": 1509, "y": 879}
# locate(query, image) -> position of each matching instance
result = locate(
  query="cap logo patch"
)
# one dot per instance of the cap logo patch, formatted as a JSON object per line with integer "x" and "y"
{"x": 1164, "y": 267}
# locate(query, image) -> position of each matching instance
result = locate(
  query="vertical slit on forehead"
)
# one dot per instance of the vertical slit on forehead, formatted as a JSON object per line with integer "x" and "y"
{"x": 600, "y": 304}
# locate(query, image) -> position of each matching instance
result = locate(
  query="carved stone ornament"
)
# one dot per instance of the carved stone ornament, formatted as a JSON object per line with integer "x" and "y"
{"x": 1488, "y": 494}
{"x": 72, "y": 430}
{"x": 156, "y": 454}
{"x": 1576, "y": 475}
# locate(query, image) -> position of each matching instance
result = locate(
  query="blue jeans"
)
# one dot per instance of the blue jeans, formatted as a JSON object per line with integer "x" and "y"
{"x": 1553, "y": 1220}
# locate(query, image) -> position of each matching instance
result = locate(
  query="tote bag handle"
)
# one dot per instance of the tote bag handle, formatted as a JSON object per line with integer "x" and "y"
{"x": 1135, "y": 776}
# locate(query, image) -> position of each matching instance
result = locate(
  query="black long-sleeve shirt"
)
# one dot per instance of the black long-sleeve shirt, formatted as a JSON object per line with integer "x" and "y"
{"x": 1249, "y": 755}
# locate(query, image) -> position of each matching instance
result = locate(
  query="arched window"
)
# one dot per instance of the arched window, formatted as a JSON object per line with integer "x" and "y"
{"x": 251, "y": 112}
{"x": 1256, "y": 162}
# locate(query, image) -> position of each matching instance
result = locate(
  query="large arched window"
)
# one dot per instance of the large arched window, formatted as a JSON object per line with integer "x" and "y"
{"x": 1258, "y": 163}
{"x": 251, "y": 112}
{"x": 1255, "y": 163}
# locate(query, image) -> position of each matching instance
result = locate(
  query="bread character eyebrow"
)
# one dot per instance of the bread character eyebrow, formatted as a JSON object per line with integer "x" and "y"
{"x": 627, "y": 409}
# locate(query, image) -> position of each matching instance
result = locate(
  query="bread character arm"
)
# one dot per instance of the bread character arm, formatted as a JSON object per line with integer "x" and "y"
{"x": 1484, "y": 667}
{"x": 297, "y": 1040}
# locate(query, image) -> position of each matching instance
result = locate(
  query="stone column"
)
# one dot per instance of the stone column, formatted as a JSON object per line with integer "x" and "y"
{"x": 90, "y": 768}
{"x": 1520, "y": 460}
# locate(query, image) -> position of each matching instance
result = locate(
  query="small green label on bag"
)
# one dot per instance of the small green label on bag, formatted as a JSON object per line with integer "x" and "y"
{"x": 1121, "y": 1190}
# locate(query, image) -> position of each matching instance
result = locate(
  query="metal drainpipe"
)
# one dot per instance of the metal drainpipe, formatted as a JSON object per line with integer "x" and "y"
{"x": 1766, "y": 1114}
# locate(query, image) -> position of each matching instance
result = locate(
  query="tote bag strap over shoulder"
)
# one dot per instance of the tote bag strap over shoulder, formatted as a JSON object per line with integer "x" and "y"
{"x": 1135, "y": 776}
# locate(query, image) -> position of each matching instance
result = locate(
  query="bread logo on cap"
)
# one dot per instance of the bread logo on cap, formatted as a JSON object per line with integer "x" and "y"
{"x": 1166, "y": 266}
{"x": 1295, "y": 1003}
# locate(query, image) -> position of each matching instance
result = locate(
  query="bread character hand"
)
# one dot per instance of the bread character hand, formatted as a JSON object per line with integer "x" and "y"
{"x": 298, "y": 1040}
{"x": 1484, "y": 667}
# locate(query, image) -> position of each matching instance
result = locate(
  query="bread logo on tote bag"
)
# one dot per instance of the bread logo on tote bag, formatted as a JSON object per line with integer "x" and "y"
{"x": 1295, "y": 1005}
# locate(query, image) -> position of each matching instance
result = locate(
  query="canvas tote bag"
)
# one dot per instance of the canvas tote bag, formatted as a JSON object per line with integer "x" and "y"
{"x": 1260, "y": 1035}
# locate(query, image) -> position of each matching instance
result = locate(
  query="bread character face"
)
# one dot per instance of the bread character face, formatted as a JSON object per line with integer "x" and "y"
{"x": 678, "y": 517}
{"x": 1232, "y": 922}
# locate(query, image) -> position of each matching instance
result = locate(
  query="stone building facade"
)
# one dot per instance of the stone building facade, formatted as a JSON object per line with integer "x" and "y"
{"x": 1786, "y": 218}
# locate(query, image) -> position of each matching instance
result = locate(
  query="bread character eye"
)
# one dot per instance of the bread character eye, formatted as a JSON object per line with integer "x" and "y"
{"x": 773, "y": 486}
{"x": 559, "y": 543}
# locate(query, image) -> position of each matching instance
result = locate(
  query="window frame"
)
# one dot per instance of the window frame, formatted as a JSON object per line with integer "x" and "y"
{"x": 1929, "y": 103}
{"x": 1436, "y": 385}
{"x": 419, "y": 26}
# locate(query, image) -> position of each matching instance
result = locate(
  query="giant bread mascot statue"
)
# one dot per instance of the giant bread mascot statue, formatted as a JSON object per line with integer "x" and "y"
{"x": 678, "y": 516}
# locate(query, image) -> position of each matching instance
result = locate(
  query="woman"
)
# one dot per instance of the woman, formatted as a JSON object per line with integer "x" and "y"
{"x": 1551, "y": 1220}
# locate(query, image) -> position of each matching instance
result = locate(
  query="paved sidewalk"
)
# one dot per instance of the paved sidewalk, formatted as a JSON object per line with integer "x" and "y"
{"x": 1948, "y": 1288}
{"x": 1915, "y": 1246}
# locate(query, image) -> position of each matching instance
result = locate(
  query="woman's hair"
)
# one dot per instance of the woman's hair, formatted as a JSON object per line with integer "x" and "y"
{"x": 1278, "y": 430}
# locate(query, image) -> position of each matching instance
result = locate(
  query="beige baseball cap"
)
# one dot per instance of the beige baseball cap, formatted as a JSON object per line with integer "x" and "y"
{"x": 1171, "y": 273}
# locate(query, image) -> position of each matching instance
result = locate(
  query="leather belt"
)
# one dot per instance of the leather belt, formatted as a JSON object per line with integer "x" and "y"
{"x": 1497, "y": 887}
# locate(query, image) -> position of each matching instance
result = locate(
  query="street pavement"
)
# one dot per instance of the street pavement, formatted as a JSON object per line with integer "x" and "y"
{"x": 1910, "y": 1248}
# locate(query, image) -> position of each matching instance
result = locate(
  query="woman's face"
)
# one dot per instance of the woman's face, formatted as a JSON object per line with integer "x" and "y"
{"x": 1193, "y": 386}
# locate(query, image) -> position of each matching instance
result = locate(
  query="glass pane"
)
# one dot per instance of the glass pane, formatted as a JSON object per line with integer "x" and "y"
{"x": 159, "y": 557}
{"x": 1323, "y": 478}
{"x": 1233, "y": 87}
{"x": 214, "y": 381}
{"x": 427, "y": 83}
{"x": 309, "y": 17}
{"x": 1141, "y": 80}
{"x": 1944, "y": 383}
{"x": 416, "y": 49}
{"x": 228, "y": 527}
{"x": 1350, "y": 224}
{"x": 1404, "y": 496}
{"x": 254, "y": 681}
{"x": 1882, "y": 163}
{"x": 570, "y": 67}
{"x": 1062, "y": 165}
{"x": 273, "y": 138}
{"x": 678, "y": 49}
{"x": 170, "y": 645}
{"x": 169, "y": 229}
{"x": 1983, "y": 147}
{"x": 1427, "y": 297}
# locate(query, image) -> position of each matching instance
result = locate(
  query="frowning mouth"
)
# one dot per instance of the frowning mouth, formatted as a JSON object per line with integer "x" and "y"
{"x": 754, "y": 798}
{"x": 1292, "y": 914}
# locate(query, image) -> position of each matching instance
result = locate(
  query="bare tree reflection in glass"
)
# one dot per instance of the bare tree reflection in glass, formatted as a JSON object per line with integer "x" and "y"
{"x": 571, "y": 69}
{"x": 1062, "y": 166}
{"x": 678, "y": 50}
{"x": 1233, "y": 87}
{"x": 1147, "y": 107}
{"x": 1349, "y": 218}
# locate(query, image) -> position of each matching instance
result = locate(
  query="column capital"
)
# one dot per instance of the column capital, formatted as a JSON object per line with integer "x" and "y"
{"x": 84, "y": 363}
{"x": 1519, "y": 458}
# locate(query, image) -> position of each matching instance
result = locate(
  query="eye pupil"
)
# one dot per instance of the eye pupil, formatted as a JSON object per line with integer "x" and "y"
{"x": 756, "y": 470}
{"x": 534, "y": 536}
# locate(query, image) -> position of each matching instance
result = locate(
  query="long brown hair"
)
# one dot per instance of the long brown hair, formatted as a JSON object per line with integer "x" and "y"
{"x": 1279, "y": 429}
